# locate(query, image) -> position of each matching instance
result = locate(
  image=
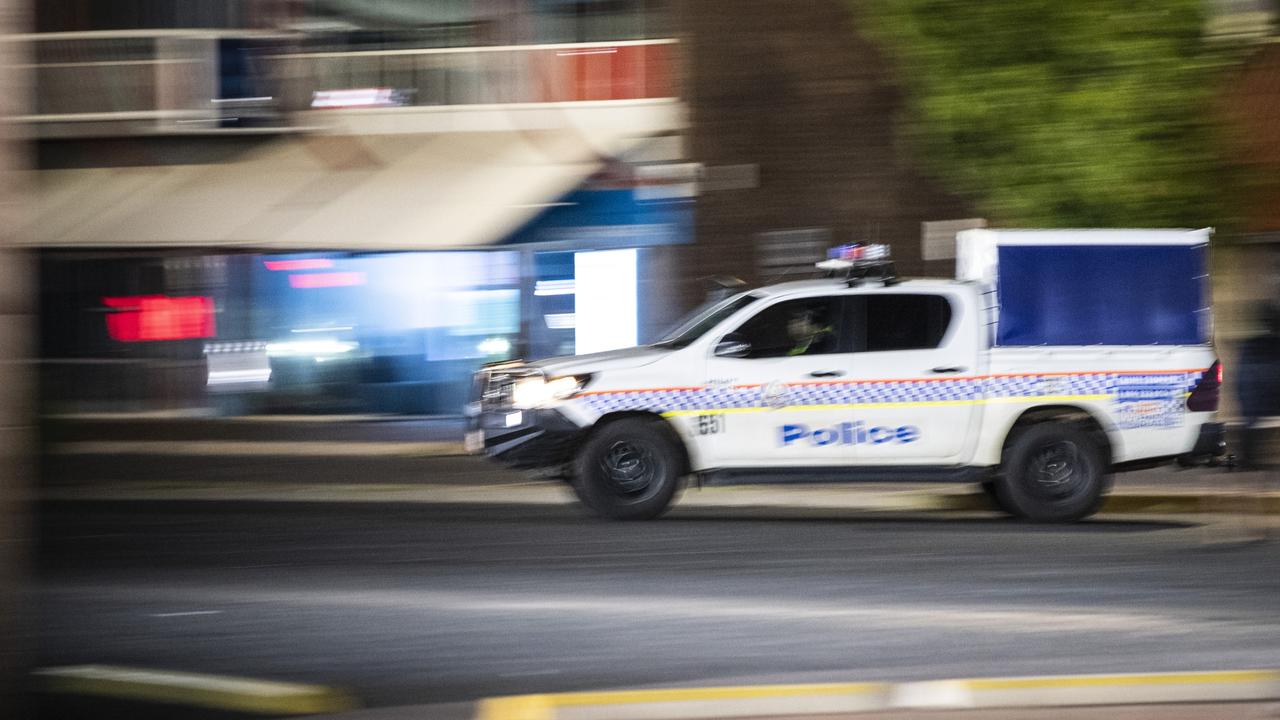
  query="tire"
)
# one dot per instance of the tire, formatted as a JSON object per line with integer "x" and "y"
{"x": 1052, "y": 473}
{"x": 629, "y": 469}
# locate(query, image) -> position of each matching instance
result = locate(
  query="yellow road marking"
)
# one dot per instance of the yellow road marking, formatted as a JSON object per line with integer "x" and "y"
{"x": 218, "y": 692}
{"x": 1204, "y": 678}
{"x": 629, "y": 697}
{"x": 543, "y": 707}
{"x": 518, "y": 707}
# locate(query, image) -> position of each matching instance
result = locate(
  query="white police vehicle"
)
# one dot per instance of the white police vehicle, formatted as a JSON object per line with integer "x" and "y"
{"x": 1054, "y": 359}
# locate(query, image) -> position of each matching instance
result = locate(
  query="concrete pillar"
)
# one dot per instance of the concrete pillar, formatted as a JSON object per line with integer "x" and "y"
{"x": 17, "y": 382}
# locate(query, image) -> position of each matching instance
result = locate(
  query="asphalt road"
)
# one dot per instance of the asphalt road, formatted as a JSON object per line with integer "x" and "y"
{"x": 435, "y": 603}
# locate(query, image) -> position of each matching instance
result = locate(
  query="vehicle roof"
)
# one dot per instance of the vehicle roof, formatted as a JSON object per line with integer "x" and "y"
{"x": 837, "y": 284}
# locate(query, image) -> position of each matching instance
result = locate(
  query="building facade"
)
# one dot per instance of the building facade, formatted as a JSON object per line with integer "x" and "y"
{"x": 348, "y": 205}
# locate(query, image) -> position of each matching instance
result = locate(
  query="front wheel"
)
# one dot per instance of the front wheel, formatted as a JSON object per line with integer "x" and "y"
{"x": 992, "y": 495}
{"x": 1052, "y": 472}
{"x": 629, "y": 469}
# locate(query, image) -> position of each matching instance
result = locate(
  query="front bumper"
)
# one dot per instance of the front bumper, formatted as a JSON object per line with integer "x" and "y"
{"x": 524, "y": 439}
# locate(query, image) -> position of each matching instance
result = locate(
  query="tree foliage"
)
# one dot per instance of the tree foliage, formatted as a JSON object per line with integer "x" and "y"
{"x": 1059, "y": 113}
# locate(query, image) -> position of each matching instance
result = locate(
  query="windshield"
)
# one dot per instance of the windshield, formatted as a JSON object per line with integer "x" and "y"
{"x": 702, "y": 319}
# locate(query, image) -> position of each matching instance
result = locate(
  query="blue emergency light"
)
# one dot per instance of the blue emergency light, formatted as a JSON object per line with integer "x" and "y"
{"x": 857, "y": 261}
{"x": 859, "y": 252}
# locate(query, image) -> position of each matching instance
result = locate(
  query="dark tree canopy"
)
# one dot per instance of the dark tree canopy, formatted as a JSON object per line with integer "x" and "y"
{"x": 1053, "y": 113}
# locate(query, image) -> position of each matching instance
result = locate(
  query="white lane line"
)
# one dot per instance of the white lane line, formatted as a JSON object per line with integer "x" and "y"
{"x": 962, "y": 616}
{"x": 186, "y": 614}
{"x": 529, "y": 673}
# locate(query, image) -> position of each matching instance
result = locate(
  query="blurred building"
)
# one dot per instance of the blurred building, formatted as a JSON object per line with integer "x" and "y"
{"x": 794, "y": 120}
{"x": 540, "y": 131}
{"x": 1247, "y": 263}
{"x": 347, "y": 204}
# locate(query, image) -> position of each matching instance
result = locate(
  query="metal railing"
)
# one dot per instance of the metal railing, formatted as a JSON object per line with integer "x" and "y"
{"x": 176, "y": 80}
{"x": 628, "y": 70}
{"x": 146, "y": 79}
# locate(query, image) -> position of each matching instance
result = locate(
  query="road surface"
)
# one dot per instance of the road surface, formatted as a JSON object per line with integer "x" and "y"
{"x": 440, "y": 603}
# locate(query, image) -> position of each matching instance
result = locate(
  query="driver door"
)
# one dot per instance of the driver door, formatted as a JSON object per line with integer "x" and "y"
{"x": 778, "y": 394}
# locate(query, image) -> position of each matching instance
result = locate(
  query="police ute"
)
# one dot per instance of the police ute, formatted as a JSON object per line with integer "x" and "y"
{"x": 1054, "y": 359}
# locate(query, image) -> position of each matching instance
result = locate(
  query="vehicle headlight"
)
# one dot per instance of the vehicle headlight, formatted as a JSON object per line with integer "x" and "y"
{"x": 315, "y": 348}
{"x": 533, "y": 392}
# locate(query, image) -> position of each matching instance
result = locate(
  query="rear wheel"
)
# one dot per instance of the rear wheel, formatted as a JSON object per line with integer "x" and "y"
{"x": 1052, "y": 472}
{"x": 629, "y": 469}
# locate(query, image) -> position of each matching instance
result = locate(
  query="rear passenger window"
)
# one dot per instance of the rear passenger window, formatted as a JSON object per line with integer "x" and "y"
{"x": 905, "y": 322}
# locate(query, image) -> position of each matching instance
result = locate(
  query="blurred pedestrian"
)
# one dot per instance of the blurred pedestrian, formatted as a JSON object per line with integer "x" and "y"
{"x": 1258, "y": 388}
{"x": 1258, "y": 394}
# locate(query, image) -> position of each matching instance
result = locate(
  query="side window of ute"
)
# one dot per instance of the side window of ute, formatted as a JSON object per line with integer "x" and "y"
{"x": 805, "y": 326}
{"x": 892, "y": 321}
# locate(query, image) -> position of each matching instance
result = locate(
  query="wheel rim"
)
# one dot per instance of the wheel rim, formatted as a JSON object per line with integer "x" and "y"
{"x": 630, "y": 468}
{"x": 1057, "y": 470}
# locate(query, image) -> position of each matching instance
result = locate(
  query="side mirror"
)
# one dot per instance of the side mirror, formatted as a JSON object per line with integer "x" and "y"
{"x": 733, "y": 346}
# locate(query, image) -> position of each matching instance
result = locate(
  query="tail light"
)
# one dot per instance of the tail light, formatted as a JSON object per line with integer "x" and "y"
{"x": 1204, "y": 397}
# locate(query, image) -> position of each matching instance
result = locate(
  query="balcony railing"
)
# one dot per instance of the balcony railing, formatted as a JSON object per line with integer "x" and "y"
{"x": 137, "y": 81}
{"x": 630, "y": 70}
{"x": 181, "y": 81}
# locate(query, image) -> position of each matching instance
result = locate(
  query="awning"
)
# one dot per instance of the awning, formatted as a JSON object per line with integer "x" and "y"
{"x": 371, "y": 192}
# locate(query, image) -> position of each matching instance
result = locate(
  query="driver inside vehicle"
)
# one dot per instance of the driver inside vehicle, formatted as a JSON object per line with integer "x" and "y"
{"x": 811, "y": 333}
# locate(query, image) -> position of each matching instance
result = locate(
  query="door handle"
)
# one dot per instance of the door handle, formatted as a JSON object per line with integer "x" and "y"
{"x": 947, "y": 370}
{"x": 826, "y": 373}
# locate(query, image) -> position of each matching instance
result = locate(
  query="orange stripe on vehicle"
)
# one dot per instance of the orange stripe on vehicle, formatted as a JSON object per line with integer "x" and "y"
{"x": 640, "y": 390}
{"x": 960, "y": 378}
{"x": 1097, "y": 372}
{"x": 950, "y": 378}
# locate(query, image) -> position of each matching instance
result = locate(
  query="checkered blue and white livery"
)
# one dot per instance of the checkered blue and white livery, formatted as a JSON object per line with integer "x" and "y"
{"x": 905, "y": 392}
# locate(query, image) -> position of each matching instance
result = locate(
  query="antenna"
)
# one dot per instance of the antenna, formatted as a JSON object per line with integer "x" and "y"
{"x": 786, "y": 272}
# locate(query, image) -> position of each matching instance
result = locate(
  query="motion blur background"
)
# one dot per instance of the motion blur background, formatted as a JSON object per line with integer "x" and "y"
{"x": 348, "y": 205}
{"x": 224, "y": 207}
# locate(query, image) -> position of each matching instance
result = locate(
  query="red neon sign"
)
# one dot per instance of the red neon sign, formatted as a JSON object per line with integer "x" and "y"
{"x": 148, "y": 318}
{"x": 326, "y": 280}
{"x": 292, "y": 265}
